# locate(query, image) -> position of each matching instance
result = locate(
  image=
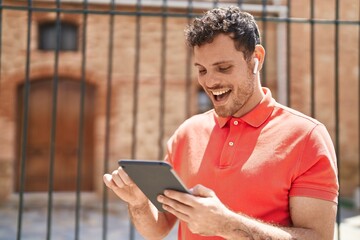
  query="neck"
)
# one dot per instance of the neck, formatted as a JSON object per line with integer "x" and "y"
{"x": 252, "y": 102}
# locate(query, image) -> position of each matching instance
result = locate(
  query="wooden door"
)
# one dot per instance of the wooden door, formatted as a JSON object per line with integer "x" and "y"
{"x": 66, "y": 154}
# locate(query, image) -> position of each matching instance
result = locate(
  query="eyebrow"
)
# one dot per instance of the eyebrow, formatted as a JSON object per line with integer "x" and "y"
{"x": 214, "y": 64}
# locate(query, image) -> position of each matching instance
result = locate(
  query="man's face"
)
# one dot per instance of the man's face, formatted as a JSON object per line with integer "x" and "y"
{"x": 225, "y": 76}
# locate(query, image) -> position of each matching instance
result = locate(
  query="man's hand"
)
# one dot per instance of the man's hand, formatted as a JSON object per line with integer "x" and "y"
{"x": 125, "y": 188}
{"x": 204, "y": 214}
{"x": 202, "y": 211}
{"x": 148, "y": 221}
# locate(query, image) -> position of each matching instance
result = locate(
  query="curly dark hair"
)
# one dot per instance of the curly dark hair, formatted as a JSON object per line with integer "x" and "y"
{"x": 240, "y": 26}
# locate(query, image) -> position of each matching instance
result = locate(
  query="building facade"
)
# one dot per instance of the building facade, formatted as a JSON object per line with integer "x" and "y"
{"x": 140, "y": 65}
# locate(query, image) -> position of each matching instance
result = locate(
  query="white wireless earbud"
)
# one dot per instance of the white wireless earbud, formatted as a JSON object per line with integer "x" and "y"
{"x": 256, "y": 65}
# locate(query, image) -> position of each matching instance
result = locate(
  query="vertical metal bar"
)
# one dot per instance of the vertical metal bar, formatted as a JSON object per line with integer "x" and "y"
{"x": 263, "y": 41}
{"x": 288, "y": 54}
{"x": 24, "y": 124}
{"x": 81, "y": 122}
{"x": 1, "y": 11}
{"x": 281, "y": 48}
{"x": 188, "y": 65}
{"x": 136, "y": 91}
{"x": 107, "y": 121}
{"x": 162, "y": 78}
{"x": 136, "y": 77}
{"x": 53, "y": 123}
{"x": 359, "y": 107}
{"x": 337, "y": 108}
{"x": 312, "y": 58}
{"x": 240, "y": 3}
{"x": 215, "y": 3}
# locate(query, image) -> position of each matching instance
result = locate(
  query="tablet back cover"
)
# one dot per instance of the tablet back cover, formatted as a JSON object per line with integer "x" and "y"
{"x": 153, "y": 178}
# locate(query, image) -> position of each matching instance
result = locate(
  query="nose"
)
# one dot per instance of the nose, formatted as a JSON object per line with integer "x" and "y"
{"x": 209, "y": 80}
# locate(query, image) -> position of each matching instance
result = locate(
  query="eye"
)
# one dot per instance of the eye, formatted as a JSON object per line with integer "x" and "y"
{"x": 202, "y": 71}
{"x": 224, "y": 69}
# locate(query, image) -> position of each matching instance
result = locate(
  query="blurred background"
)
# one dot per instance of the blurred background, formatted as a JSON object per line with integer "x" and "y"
{"x": 85, "y": 83}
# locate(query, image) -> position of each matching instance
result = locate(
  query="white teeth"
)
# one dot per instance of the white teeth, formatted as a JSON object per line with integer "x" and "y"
{"x": 217, "y": 93}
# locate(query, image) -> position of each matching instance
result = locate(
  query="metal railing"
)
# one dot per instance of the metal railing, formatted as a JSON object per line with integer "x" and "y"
{"x": 266, "y": 12}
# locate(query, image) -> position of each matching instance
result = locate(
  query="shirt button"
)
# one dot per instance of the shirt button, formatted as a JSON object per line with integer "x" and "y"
{"x": 231, "y": 144}
{"x": 236, "y": 123}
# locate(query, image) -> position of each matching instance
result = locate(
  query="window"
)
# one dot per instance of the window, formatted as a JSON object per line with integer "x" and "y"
{"x": 68, "y": 36}
{"x": 204, "y": 102}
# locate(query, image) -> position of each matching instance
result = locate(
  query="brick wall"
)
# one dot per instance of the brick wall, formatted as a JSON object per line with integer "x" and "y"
{"x": 14, "y": 32}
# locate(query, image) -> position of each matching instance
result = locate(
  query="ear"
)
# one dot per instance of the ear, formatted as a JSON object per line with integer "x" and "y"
{"x": 259, "y": 54}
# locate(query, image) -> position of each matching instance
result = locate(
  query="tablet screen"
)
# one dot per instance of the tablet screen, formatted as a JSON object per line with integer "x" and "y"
{"x": 153, "y": 178}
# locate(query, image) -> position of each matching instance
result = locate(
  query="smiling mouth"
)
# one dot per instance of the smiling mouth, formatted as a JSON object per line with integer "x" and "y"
{"x": 220, "y": 95}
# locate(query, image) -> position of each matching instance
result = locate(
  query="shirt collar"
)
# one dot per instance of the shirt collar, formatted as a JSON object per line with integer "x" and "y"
{"x": 258, "y": 115}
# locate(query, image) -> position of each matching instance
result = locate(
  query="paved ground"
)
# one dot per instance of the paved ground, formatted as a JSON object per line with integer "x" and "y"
{"x": 90, "y": 228}
{"x": 34, "y": 219}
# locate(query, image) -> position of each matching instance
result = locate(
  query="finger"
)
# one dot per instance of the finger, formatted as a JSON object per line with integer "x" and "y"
{"x": 178, "y": 202}
{"x": 201, "y": 191}
{"x": 179, "y": 209}
{"x": 108, "y": 180}
{"x": 110, "y": 183}
{"x": 179, "y": 215}
{"x": 117, "y": 179}
{"x": 124, "y": 176}
{"x": 184, "y": 198}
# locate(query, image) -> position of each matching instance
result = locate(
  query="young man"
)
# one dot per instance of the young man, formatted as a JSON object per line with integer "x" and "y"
{"x": 259, "y": 170}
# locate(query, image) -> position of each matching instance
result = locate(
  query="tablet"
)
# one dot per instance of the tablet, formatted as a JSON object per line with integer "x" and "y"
{"x": 153, "y": 178}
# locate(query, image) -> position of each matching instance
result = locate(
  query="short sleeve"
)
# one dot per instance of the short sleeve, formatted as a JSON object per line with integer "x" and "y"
{"x": 316, "y": 175}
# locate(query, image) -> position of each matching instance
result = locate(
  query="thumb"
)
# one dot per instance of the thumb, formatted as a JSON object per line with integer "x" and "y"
{"x": 201, "y": 191}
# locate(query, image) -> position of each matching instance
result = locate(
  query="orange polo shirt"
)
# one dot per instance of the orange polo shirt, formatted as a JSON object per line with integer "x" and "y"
{"x": 256, "y": 162}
